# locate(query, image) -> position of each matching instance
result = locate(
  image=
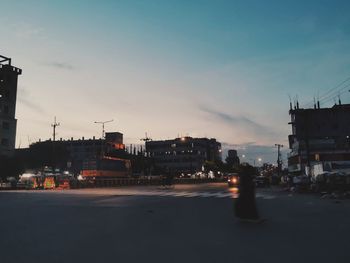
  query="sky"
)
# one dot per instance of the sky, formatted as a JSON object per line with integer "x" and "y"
{"x": 218, "y": 69}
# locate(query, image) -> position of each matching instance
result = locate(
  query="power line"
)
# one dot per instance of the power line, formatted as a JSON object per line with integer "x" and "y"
{"x": 330, "y": 93}
{"x": 332, "y": 96}
{"x": 339, "y": 85}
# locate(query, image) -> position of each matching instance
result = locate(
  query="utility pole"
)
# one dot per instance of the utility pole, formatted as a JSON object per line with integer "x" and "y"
{"x": 103, "y": 126}
{"x": 279, "y": 162}
{"x": 146, "y": 139}
{"x": 54, "y": 125}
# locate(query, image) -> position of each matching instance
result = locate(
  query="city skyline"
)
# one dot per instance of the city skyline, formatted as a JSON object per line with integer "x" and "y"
{"x": 173, "y": 68}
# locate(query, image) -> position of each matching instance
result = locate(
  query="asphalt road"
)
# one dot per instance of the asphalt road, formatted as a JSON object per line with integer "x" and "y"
{"x": 190, "y": 223}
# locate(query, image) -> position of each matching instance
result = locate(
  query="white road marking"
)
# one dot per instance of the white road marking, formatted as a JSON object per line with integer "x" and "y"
{"x": 188, "y": 194}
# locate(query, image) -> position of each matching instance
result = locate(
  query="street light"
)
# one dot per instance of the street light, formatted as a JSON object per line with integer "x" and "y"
{"x": 103, "y": 126}
{"x": 251, "y": 159}
{"x": 103, "y": 134}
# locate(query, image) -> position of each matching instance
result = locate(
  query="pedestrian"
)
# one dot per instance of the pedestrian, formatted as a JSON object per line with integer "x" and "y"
{"x": 245, "y": 205}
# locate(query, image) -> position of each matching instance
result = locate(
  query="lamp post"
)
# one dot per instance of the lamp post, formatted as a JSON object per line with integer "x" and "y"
{"x": 103, "y": 134}
{"x": 103, "y": 126}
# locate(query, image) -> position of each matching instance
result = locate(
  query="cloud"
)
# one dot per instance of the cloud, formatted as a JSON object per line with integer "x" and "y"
{"x": 239, "y": 122}
{"x": 24, "y": 99}
{"x": 253, "y": 151}
{"x": 61, "y": 65}
{"x": 31, "y": 105}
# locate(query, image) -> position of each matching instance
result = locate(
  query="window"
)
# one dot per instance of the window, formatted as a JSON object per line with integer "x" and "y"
{"x": 6, "y": 109}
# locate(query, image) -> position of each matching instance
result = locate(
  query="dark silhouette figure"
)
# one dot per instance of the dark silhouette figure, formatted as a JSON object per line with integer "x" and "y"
{"x": 167, "y": 178}
{"x": 245, "y": 205}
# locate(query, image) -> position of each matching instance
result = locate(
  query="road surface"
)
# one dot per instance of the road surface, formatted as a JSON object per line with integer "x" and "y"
{"x": 190, "y": 223}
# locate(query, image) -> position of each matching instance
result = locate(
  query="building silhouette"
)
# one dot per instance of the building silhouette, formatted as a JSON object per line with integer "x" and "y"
{"x": 8, "y": 95}
{"x": 320, "y": 136}
{"x": 183, "y": 155}
{"x": 71, "y": 154}
{"x": 232, "y": 158}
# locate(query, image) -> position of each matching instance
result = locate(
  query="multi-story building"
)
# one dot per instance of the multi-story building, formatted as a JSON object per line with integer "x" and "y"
{"x": 8, "y": 94}
{"x": 320, "y": 136}
{"x": 183, "y": 155}
{"x": 72, "y": 153}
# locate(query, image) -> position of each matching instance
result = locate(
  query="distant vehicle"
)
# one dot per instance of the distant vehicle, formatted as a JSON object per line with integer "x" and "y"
{"x": 233, "y": 180}
{"x": 261, "y": 181}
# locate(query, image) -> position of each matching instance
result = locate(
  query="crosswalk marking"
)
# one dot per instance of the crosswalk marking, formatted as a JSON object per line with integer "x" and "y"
{"x": 188, "y": 194}
{"x": 264, "y": 196}
{"x": 223, "y": 195}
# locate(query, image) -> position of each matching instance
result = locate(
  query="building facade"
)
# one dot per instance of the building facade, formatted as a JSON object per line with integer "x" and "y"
{"x": 183, "y": 155}
{"x": 8, "y": 96}
{"x": 320, "y": 136}
{"x": 71, "y": 154}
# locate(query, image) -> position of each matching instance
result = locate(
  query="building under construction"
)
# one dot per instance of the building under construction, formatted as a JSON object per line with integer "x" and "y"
{"x": 92, "y": 155}
{"x": 320, "y": 137}
{"x": 8, "y": 95}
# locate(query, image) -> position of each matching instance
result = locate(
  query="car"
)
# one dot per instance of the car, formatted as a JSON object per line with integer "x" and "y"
{"x": 233, "y": 180}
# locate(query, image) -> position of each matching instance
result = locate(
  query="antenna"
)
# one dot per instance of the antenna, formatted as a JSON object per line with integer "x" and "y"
{"x": 290, "y": 102}
{"x": 103, "y": 126}
{"x": 297, "y": 99}
{"x": 54, "y": 125}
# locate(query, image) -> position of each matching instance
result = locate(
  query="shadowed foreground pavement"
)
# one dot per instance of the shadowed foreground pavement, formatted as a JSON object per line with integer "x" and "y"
{"x": 119, "y": 225}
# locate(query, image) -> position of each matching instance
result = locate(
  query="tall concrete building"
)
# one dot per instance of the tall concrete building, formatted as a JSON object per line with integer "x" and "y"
{"x": 8, "y": 95}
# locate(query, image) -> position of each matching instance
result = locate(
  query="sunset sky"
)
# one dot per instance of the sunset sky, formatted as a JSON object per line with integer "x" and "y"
{"x": 222, "y": 69}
